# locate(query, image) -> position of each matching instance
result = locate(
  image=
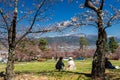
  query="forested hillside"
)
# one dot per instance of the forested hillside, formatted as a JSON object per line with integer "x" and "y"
{"x": 74, "y": 39}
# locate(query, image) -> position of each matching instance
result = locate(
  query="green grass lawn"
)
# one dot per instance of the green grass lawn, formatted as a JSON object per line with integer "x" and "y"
{"x": 48, "y": 69}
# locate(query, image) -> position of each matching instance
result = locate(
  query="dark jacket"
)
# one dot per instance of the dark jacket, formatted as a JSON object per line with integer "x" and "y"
{"x": 109, "y": 65}
{"x": 59, "y": 65}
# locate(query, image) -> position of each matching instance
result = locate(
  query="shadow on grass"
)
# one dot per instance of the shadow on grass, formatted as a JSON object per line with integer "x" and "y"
{"x": 64, "y": 72}
{"x": 59, "y": 74}
{"x": 86, "y": 76}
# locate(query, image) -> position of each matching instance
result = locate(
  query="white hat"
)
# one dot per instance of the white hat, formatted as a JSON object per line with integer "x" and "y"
{"x": 70, "y": 58}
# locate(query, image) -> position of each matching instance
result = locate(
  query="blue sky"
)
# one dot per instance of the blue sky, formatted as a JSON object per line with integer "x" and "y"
{"x": 64, "y": 11}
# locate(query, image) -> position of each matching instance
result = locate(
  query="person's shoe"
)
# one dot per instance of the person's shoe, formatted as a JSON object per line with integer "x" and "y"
{"x": 117, "y": 67}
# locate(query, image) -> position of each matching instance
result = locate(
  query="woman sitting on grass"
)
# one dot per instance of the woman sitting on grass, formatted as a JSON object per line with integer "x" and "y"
{"x": 71, "y": 64}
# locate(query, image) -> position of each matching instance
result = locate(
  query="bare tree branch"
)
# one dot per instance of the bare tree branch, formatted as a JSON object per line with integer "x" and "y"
{"x": 101, "y": 6}
{"x": 21, "y": 18}
{"x": 90, "y": 5}
{"x": 41, "y": 31}
{"x": 33, "y": 22}
{"x": 7, "y": 26}
{"x": 109, "y": 22}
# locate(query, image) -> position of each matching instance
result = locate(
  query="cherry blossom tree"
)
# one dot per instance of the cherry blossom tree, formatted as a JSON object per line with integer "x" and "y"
{"x": 19, "y": 18}
{"x": 96, "y": 15}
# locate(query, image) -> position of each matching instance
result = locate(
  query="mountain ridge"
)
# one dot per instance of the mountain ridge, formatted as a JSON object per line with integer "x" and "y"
{"x": 73, "y": 39}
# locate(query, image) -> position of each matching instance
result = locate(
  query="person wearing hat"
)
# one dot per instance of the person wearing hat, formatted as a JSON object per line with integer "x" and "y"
{"x": 71, "y": 64}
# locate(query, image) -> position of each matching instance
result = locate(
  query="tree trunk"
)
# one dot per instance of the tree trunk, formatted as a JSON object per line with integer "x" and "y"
{"x": 98, "y": 64}
{"x": 12, "y": 43}
{"x": 11, "y": 51}
{"x": 10, "y": 64}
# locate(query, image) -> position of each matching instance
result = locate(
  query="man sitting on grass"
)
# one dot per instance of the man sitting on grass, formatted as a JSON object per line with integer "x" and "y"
{"x": 109, "y": 65}
{"x": 60, "y": 65}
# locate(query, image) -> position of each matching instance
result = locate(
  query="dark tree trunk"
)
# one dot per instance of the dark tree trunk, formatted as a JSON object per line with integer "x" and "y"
{"x": 10, "y": 64}
{"x": 11, "y": 51}
{"x": 98, "y": 64}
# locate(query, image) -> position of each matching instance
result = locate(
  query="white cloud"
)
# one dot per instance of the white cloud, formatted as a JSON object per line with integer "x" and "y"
{"x": 64, "y": 24}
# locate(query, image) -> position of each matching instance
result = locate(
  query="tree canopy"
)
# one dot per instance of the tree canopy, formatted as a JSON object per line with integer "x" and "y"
{"x": 42, "y": 44}
{"x": 113, "y": 45}
{"x": 83, "y": 42}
